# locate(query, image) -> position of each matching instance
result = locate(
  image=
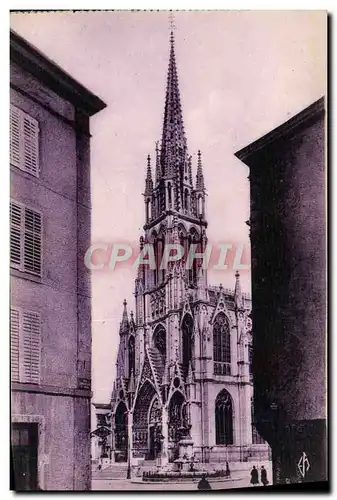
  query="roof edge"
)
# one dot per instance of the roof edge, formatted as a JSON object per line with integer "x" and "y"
{"x": 285, "y": 129}
{"x": 52, "y": 75}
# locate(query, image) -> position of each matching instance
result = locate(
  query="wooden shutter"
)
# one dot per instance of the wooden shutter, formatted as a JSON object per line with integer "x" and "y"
{"x": 31, "y": 347}
{"x": 24, "y": 141}
{"x": 15, "y": 335}
{"x": 33, "y": 242}
{"x": 15, "y": 135}
{"x": 16, "y": 233}
{"x": 30, "y": 145}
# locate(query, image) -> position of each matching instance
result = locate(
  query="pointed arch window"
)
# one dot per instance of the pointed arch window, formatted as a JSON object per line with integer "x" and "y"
{"x": 221, "y": 346}
{"x": 131, "y": 349}
{"x": 186, "y": 200}
{"x": 159, "y": 342}
{"x": 169, "y": 192}
{"x": 121, "y": 430}
{"x": 154, "y": 239}
{"x": 224, "y": 418}
{"x": 187, "y": 331}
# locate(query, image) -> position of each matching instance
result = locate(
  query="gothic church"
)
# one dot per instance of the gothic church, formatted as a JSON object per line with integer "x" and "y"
{"x": 184, "y": 359}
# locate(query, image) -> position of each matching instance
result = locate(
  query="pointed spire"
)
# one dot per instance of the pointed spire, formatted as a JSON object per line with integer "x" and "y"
{"x": 125, "y": 321}
{"x": 148, "y": 180}
{"x": 237, "y": 291}
{"x": 173, "y": 145}
{"x": 200, "y": 182}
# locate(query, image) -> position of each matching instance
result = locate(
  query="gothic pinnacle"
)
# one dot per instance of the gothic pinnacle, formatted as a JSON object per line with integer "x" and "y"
{"x": 148, "y": 180}
{"x": 125, "y": 320}
{"x": 237, "y": 291}
{"x": 200, "y": 182}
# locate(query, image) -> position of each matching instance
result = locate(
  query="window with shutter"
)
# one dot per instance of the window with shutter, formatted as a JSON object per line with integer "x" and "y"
{"x": 32, "y": 242}
{"x": 24, "y": 141}
{"x": 15, "y": 334}
{"x": 31, "y": 347}
{"x": 15, "y": 137}
{"x": 25, "y": 346}
{"x": 16, "y": 217}
{"x": 25, "y": 239}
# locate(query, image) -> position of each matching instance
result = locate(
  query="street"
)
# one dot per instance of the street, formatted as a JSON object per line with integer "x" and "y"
{"x": 237, "y": 481}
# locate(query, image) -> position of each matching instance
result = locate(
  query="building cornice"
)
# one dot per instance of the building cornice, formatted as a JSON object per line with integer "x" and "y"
{"x": 285, "y": 131}
{"x": 54, "y": 77}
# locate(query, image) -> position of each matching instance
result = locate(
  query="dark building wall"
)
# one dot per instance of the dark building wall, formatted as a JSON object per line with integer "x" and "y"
{"x": 288, "y": 290}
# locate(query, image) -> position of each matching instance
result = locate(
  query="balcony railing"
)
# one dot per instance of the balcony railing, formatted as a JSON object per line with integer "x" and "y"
{"x": 221, "y": 368}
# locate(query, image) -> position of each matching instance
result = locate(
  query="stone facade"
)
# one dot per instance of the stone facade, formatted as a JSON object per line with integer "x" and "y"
{"x": 50, "y": 192}
{"x": 183, "y": 364}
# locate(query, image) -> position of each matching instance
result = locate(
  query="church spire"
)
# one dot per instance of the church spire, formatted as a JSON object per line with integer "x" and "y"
{"x": 200, "y": 182}
{"x": 173, "y": 146}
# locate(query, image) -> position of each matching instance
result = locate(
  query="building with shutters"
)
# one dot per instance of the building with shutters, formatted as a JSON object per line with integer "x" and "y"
{"x": 50, "y": 286}
{"x": 183, "y": 364}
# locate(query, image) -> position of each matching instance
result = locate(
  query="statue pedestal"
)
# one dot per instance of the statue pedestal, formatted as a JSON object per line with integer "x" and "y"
{"x": 186, "y": 448}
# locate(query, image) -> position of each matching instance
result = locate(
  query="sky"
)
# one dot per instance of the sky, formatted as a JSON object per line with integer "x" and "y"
{"x": 241, "y": 74}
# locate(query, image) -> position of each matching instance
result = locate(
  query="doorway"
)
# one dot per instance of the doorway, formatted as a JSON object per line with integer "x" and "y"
{"x": 24, "y": 456}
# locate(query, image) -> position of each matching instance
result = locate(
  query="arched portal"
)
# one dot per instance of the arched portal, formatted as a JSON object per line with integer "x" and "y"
{"x": 140, "y": 419}
{"x": 187, "y": 342}
{"x": 224, "y": 418}
{"x": 155, "y": 428}
{"x": 121, "y": 432}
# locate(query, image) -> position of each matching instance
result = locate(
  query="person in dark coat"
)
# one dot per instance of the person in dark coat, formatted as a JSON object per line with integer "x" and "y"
{"x": 254, "y": 476}
{"x": 204, "y": 484}
{"x": 264, "y": 479}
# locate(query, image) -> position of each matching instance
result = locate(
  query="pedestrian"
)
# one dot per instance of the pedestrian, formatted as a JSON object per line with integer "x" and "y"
{"x": 204, "y": 484}
{"x": 254, "y": 476}
{"x": 264, "y": 479}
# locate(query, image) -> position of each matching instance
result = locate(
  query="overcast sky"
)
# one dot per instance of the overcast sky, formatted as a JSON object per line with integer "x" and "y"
{"x": 241, "y": 74}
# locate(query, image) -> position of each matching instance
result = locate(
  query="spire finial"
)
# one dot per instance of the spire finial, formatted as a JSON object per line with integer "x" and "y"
{"x": 172, "y": 26}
